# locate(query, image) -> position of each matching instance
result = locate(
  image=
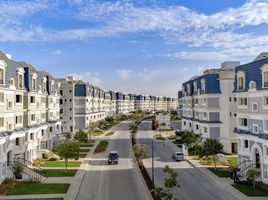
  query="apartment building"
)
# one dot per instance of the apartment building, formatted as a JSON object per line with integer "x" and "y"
{"x": 139, "y": 102}
{"x": 251, "y": 93}
{"x": 131, "y": 102}
{"x": 113, "y": 103}
{"x": 208, "y": 105}
{"x": 29, "y": 118}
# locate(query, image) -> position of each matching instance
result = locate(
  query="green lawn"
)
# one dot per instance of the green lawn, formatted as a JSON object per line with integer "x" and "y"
{"x": 82, "y": 155}
{"x": 248, "y": 190}
{"x": 101, "y": 146}
{"x": 86, "y": 144}
{"x": 57, "y": 172}
{"x": 84, "y": 150}
{"x": 109, "y": 133}
{"x": 60, "y": 164}
{"x": 232, "y": 159}
{"x": 220, "y": 172}
{"x": 38, "y": 188}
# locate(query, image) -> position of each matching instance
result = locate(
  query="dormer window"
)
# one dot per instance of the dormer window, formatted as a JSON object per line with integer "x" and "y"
{"x": 264, "y": 70}
{"x": 188, "y": 90}
{"x": 33, "y": 81}
{"x": 52, "y": 87}
{"x": 1, "y": 76}
{"x": 203, "y": 86}
{"x": 44, "y": 86}
{"x": 20, "y": 72}
{"x": 3, "y": 65}
{"x": 240, "y": 80}
{"x": 195, "y": 88}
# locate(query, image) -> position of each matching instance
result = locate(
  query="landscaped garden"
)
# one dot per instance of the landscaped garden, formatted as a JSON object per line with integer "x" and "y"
{"x": 220, "y": 172}
{"x": 101, "y": 146}
{"x": 61, "y": 164}
{"x": 248, "y": 190}
{"x": 57, "y": 172}
{"x": 38, "y": 188}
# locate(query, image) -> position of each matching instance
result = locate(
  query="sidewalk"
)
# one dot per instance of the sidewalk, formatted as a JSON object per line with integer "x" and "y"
{"x": 32, "y": 196}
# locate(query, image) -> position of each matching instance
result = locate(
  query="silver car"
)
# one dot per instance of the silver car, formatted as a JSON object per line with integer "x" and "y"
{"x": 178, "y": 156}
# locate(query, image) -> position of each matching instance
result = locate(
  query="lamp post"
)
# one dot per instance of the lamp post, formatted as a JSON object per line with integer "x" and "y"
{"x": 153, "y": 161}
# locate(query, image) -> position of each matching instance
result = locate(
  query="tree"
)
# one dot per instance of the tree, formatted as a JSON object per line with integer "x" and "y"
{"x": 68, "y": 135}
{"x": 192, "y": 140}
{"x": 211, "y": 147}
{"x": 154, "y": 124}
{"x": 170, "y": 183}
{"x": 68, "y": 150}
{"x": 252, "y": 175}
{"x": 81, "y": 136}
{"x": 17, "y": 169}
{"x": 92, "y": 126}
{"x": 140, "y": 152}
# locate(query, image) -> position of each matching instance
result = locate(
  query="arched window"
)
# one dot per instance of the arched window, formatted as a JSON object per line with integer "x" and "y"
{"x": 241, "y": 80}
{"x": 203, "y": 86}
{"x": 264, "y": 70}
{"x": 3, "y": 65}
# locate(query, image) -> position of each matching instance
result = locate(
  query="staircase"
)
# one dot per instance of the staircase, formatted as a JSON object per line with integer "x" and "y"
{"x": 29, "y": 169}
{"x": 244, "y": 167}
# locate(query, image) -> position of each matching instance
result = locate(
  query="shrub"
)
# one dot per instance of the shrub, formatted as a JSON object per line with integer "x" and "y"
{"x": 53, "y": 159}
{"x": 81, "y": 136}
{"x": 101, "y": 146}
{"x": 109, "y": 119}
{"x": 6, "y": 186}
{"x": 38, "y": 161}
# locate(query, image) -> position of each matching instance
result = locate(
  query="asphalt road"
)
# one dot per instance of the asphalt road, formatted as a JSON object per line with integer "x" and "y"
{"x": 193, "y": 184}
{"x": 114, "y": 182}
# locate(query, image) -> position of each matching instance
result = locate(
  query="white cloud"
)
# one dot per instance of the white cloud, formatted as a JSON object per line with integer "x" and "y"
{"x": 88, "y": 77}
{"x": 148, "y": 75}
{"x": 56, "y": 52}
{"x": 124, "y": 73}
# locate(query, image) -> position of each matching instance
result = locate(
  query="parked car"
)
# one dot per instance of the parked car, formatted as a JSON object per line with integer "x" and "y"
{"x": 178, "y": 156}
{"x": 113, "y": 157}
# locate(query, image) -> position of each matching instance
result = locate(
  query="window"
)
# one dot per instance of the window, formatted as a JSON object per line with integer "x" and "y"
{"x": 19, "y": 119}
{"x": 34, "y": 84}
{"x": 17, "y": 141}
{"x": 240, "y": 83}
{"x": 243, "y": 101}
{"x": 52, "y": 87}
{"x": 32, "y": 99}
{"x": 205, "y": 129}
{"x": 243, "y": 121}
{"x": 195, "y": 88}
{"x": 42, "y": 132}
{"x": 235, "y": 114}
{"x": 197, "y": 127}
{"x": 33, "y": 117}
{"x": 70, "y": 91}
{"x": 234, "y": 99}
{"x": 265, "y": 79}
{"x": 1, "y": 76}
{"x": 18, "y": 98}
{"x": 230, "y": 99}
{"x": 44, "y": 85}
{"x": 58, "y": 127}
{"x": 230, "y": 114}
{"x": 20, "y": 81}
{"x": 255, "y": 128}
{"x": 70, "y": 100}
{"x": 266, "y": 124}
{"x": 2, "y": 97}
{"x": 1, "y": 122}
{"x": 203, "y": 86}
{"x": 50, "y": 129}
{"x": 246, "y": 144}
{"x": 255, "y": 107}
{"x": 31, "y": 136}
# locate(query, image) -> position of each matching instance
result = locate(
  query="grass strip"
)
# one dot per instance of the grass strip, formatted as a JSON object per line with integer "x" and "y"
{"x": 101, "y": 146}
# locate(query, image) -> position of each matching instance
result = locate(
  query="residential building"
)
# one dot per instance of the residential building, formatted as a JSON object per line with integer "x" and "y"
{"x": 251, "y": 93}
{"x": 208, "y": 105}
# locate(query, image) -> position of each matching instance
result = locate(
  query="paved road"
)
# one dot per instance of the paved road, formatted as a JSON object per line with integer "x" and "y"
{"x": 114, "y": 182}
{"x": 194, "y": 184}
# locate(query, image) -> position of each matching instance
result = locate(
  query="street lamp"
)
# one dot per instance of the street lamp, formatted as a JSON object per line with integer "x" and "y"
{"x": 153, "y": 161}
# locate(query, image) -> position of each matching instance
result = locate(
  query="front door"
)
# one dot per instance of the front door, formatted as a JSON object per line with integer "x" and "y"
{"x": 234, "y": 147}
{"x": 257, "y": 159}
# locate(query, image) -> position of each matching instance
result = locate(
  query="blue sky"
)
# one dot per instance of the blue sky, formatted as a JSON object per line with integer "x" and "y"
{"x": 145, "y": 46}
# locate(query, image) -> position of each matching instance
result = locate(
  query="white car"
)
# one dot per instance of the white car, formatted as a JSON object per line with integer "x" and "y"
{"x": 178, "y": 156}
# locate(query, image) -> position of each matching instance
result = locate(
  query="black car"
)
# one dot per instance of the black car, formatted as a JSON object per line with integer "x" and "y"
{"x": 113, "y": 158}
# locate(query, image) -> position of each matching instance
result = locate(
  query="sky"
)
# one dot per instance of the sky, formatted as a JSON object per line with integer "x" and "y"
{"x": 134, "y": 46}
